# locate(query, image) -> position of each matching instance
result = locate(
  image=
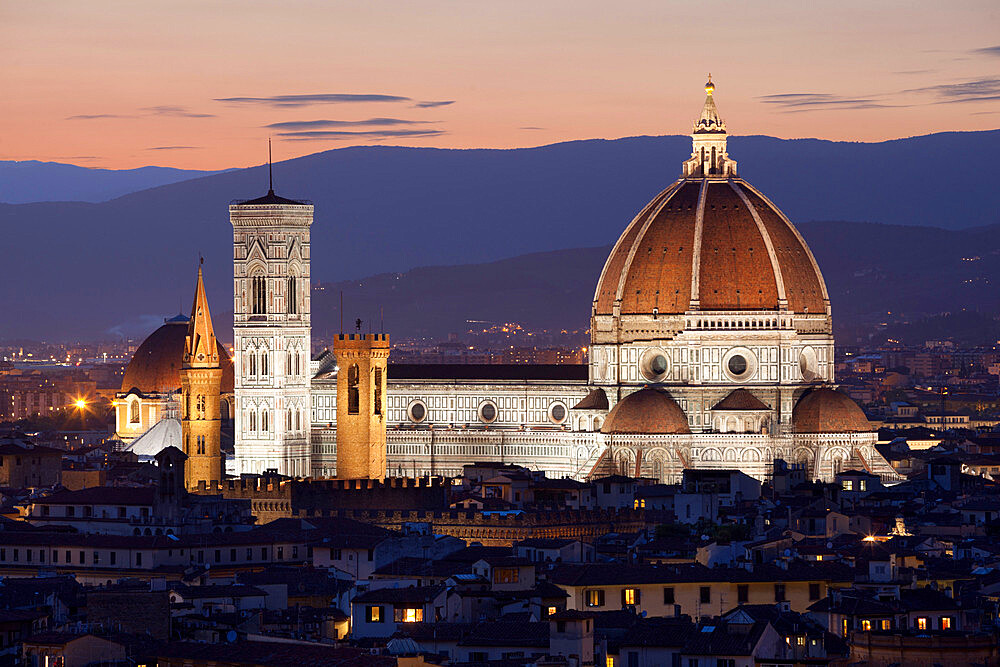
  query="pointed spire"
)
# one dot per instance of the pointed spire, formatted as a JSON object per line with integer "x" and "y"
{"x": 200, "y": 347}
{"x": 270, "y": 175}
{"x": 708, "y": 155}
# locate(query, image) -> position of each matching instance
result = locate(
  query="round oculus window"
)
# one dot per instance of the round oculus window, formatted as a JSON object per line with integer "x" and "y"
{"x": 417, "y": 411}
{"x": 488, "y": 412}
{"x": 658, "y": 364}
{"x": 654, "y": 365}
{"x": 737, "y": 364}
{"x": 557, "y": 413}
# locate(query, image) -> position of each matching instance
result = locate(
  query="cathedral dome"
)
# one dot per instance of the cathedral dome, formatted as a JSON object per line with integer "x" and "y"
{"x": 156, "y": 365}
{"x": 710, "y": 242}
{"x": 648, "y": 411}
{"x": 824, "y": 410}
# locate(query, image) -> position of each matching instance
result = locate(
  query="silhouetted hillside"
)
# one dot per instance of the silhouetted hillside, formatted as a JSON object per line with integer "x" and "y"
{"x": 869, "y": 269}
{"x": 76, "y": 269}
{"x": 24, "y": 181}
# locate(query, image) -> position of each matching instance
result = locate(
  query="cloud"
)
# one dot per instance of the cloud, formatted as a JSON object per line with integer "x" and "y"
{"x": 798, "y": 102}
{"x": 915, "y": 71}
{"x": 180, "y": 112}
{"x": 286, "y": 101}
{"x": 432, "y": 105}
{"x": 530, "y": 127}
{"x": 345, "y": 135}
{"x": 172, "y": 148}
{"x": 310, "y": 124}
{"x": 988, "y": 51}
{"x": 97, "y": 116}
{"x": 980, "y": 90}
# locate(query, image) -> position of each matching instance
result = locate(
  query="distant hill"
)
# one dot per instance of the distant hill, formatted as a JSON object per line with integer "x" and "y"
{"x": 80, "y": 269}
{"x": 27, "y": 181}
{"x": 870, "y": 270}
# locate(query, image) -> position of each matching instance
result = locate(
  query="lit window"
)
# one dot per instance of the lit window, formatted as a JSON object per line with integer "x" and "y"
{"x": 866, "y": 625}
{"x": 922, "y": 623}
{"x": 629, "y": 596}
{"x": 862, "y": 485}
{"x": 848, "y": 485}
{"x": 610, "y": 661}
{"x": 946, "y": 623}
{"x": 374, "y": 614}
{"x": 413, "y": 615}
{"x": 886, "y": 624}
{"x": 595, "y": 598}
{"x": 552, "y": 610}
{"x": 506, "y": 575}
{"x": 800, "y": 640}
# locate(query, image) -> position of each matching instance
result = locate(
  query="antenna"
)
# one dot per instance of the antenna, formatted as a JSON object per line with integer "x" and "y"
{"x": 270, "y": 176}
{"x": 341, "y": 312}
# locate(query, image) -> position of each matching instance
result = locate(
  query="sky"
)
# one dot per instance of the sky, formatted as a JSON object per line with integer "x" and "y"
{"x": 202, "y": 84}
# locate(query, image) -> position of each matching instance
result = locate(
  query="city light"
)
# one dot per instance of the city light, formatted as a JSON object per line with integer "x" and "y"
{"x": 80, "y": 404}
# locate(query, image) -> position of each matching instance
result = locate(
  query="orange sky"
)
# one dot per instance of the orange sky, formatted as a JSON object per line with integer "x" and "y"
{"x": 120, "y": 83}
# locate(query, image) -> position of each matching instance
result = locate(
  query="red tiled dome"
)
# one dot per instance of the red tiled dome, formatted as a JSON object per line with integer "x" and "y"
{"x": 824, "y": 410}
{"x": 156, "y": 365}
{"x": 745, "y": 255}
{"x": 648, "y": 411}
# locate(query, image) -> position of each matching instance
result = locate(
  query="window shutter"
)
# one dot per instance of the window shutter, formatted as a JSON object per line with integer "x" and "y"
{"x": 638, "y": 596}
{"x": 623, "y": 597}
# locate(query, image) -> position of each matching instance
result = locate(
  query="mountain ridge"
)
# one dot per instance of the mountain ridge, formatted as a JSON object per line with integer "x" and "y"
{"x": 386, "y": 210}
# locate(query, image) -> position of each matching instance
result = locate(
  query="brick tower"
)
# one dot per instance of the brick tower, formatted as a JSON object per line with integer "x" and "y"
{"x": 201, "y": 384}
{"x": 361, "y": 405}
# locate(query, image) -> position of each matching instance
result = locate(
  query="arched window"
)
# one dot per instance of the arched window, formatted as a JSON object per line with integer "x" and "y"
{"x": 288, "y": 420}
{"x": 263, "y": 363}
{"x": 258, "y": 295}
{"x": 253, "y": 365}
{"x": 133, "y": 412}
{"x": 201, "y": 444}
{"x": 253, "y": 420}
{"x": 200, "y": 406}
{"x": 291, "y": 299}
{"x": 298, "y": 420}
{"x": 353, "y": 399}
{"x": 263, "y": 421}
{"x": 378, "y": 391}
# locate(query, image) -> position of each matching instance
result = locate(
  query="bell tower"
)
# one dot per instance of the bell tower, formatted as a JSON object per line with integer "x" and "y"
{"x": 361, "y": 405}
{"x": 201, "y": 388}
{"x": 271, "y": 332}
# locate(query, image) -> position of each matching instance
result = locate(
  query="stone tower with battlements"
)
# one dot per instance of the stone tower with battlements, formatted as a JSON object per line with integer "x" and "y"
{"x": 201, "y": 390}
{"x": 361, "y": 405}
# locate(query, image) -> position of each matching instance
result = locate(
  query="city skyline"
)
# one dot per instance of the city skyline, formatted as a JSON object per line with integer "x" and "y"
{"x": 197, "y": 85}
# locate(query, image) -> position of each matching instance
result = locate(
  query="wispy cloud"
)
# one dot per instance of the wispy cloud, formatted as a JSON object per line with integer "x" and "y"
{"x": 798, "y": 102}
{"x": 530, "y": 127}
{"x": 980, "y": 90}
{"x": 432, "y": 105}
{"x": 97, "y": 116}
{"x": 180, "y": 112}
{"x": 908, "y": 72}
{"x": 370, "y": 122}
{"x": 345, "y": 135}
{"x": 286, "y": 101}
{"x": 987, "y": 51}
{"x": 173, "y": 148}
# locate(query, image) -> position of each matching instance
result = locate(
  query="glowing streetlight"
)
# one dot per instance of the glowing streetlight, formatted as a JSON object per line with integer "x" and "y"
{"x": 80, "y": 404}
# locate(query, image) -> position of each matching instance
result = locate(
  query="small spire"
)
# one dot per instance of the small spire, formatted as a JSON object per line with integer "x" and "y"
{"x": 709, "y": 87}
{"x": 270, "y": 176}
{"x": 200, "y": 347}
